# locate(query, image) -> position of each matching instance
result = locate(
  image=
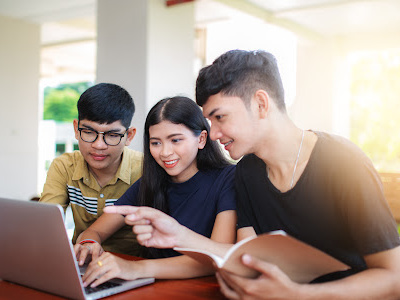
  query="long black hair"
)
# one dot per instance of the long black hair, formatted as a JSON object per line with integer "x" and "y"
{"x": 177, "y": 110}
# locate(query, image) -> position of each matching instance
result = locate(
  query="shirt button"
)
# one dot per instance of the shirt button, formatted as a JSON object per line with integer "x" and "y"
{"x": 101, "y": 195}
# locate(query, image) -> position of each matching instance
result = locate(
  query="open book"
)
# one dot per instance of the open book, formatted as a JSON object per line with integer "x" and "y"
{"x": 301, "y": 262}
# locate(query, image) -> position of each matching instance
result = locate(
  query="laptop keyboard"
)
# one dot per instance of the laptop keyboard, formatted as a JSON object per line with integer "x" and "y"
{"x": 103, "y": 286}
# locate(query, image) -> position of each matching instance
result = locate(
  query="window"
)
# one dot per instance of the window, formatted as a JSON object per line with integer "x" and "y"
{"x": 374, "y": 121}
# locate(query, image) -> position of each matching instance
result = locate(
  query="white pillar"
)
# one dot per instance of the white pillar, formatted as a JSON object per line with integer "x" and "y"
{"x": 19, "y": 116}
{"x": 148, "y": 48}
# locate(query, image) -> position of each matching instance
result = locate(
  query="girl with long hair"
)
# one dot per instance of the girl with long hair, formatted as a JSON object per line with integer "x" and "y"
{"x": 186, "y": 175}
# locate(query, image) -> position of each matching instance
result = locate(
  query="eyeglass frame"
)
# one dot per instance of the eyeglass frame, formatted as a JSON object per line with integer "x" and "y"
{"x": 121, "y": 135}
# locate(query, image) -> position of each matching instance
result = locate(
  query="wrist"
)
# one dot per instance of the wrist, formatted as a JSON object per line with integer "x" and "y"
{"x": 301, "y": 291}
{"x": 88, "y": 241}
{"x": 183, "y": 238}
{"x": 141, "y": 268}
{"x": 188, "y": 239}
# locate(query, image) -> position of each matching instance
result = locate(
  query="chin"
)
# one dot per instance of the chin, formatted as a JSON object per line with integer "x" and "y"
{"x": 236, "y": 156}
{"x": 232, "y": 154}
{"x": 98, "y": 164}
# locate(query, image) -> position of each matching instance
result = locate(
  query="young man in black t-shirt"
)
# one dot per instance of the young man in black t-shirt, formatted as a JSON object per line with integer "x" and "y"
{"x": 318, "y": 187}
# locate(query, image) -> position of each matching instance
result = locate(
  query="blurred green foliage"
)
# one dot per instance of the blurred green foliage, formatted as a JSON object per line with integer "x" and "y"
{"x": 375, "y": 95}
{"x": 60, "y": 102}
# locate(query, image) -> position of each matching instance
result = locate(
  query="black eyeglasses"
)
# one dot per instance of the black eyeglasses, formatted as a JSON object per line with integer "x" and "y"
{"x": 109, "y": 137}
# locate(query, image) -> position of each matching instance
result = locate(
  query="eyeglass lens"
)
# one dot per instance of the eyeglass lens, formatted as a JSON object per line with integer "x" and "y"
{"x": 109, "y": 138}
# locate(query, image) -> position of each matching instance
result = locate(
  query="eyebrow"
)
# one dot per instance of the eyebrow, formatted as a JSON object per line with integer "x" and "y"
{"x": 91, "y": 128}
{"x": 213, "y": 112}
{"x": 168, "y": 137}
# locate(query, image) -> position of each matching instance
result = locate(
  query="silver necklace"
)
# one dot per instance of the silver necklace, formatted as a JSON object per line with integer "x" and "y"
{"x": 297, "y": 160}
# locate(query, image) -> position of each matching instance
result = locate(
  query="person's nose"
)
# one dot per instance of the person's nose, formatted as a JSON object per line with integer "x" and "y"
{"x": 99, "y": 143}
{"x": 166, "y": 150}
{"x": 215, "y": 132}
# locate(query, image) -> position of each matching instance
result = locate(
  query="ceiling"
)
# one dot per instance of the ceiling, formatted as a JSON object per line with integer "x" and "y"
{"x": 325, "y": 17}
{"x": 337, "y": 17}
{"x": 69, "y": 21}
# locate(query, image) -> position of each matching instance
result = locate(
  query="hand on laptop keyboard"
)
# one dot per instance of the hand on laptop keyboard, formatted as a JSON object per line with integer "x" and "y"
{"x": 103, "y": 286}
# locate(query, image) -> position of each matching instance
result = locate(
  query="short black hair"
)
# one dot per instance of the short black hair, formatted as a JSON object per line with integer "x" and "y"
{"x": 106, "y": 103}
{"x": 241, "y": 73}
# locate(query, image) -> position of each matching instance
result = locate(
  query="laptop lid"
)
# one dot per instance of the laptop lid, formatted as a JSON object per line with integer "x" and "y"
{"x": 36, "y": 252}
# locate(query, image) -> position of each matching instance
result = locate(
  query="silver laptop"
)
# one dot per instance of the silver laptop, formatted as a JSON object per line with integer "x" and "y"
{"x": 35, "y": 251}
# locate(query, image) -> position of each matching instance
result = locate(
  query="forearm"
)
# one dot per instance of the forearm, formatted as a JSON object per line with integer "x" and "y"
{"x": 370, "y": 284}
{"x": 102, "y": 228}
{"x": 191, "y": 239}
{"x": 179, "y": 267}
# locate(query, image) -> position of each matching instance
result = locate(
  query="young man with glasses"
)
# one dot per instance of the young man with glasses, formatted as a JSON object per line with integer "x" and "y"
{"x": 103, "y": 168}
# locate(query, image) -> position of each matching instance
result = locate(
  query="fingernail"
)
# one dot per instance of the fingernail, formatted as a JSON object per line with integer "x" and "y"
{"x": 131, "y": 217}
{"x": 246, "y": 259}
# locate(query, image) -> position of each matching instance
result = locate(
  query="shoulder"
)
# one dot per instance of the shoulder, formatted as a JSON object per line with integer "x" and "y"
{"x": 211, "y": 179}
{"x": 133, "y": 155}
{"x": 337, "y": 141}
{"x": 132, "y": 159}
{"x": 65, "y": 169}
{"x": 338, "y": 158}
{"x": 339, "y": 149}
{"x": 131, "y": 165}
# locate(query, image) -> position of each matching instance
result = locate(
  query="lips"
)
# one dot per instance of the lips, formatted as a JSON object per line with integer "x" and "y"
{"x": 226, "y": 145}
{"x": 99, "y": 157}
{"x": 170, "y": 163}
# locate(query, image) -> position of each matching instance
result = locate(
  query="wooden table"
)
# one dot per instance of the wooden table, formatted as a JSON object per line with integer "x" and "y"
{"x": 197, "y": 288}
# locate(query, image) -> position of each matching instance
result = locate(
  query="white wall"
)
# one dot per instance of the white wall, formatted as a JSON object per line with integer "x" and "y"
{"x": 313, "y": 104}
{"x": 19, "y": 75}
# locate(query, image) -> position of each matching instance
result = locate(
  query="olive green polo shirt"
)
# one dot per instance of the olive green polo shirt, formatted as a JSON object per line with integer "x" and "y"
{"x": 69, "y": 182}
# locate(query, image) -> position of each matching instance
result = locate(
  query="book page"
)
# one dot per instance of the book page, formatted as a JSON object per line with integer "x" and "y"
{"x": 301, "y": 262}
{"x": 202, "y": 256}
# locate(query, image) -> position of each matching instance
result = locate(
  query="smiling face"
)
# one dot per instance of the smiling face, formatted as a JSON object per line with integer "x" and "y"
{"x": 175, "y": 147}
{"x": 231, "y": 123}
{"x": 102, "y": 158}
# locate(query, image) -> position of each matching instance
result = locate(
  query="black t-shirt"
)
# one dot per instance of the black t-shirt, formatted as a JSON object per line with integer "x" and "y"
{"x": 337, "y": 205}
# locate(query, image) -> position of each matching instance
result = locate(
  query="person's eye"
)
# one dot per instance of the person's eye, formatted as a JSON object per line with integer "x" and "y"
{"x": 154, "y": 144}
{"x": 219, "y": 117}
{"x": 87, "y": 131}
{"x": 113, "y": 135}
{"x": 176, "y": 140}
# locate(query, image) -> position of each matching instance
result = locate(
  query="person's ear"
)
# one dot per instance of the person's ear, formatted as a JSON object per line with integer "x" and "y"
{"x": 261, "y": 99}
{"x": 76, "y": 129}
{"x": 130, "y": 135}
{"x": 202, "y": 139}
